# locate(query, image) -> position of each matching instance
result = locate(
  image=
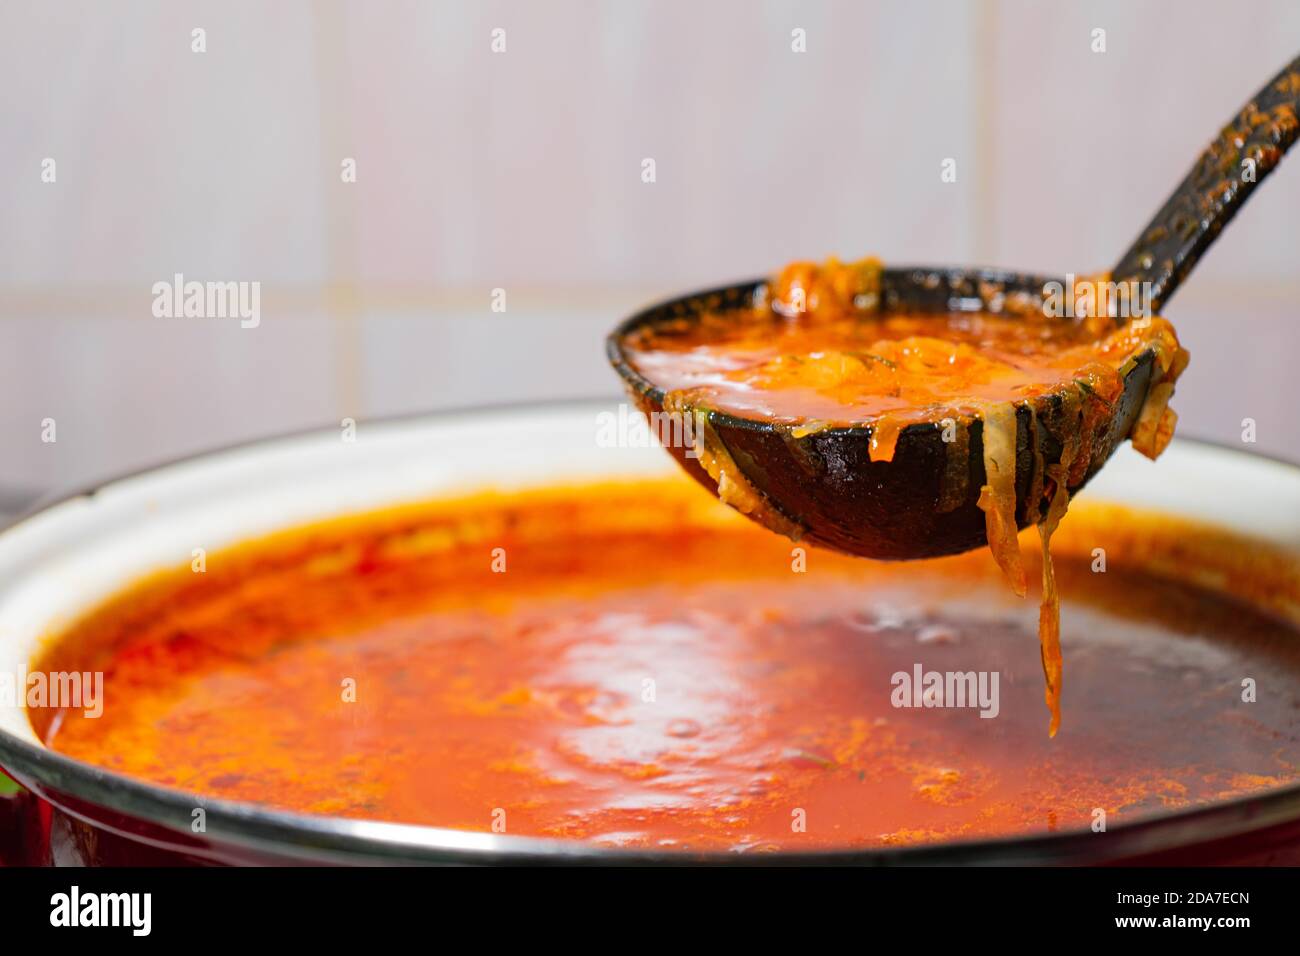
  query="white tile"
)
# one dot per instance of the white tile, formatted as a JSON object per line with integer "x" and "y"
{"x": 525, "y": 166}
{"x": 1242, "y": 366}
{"x": 1089, "y": 145}
{"x": 127, "y": 392}
{"x": 167, "y": 160}
{"x": 461, "y": 356}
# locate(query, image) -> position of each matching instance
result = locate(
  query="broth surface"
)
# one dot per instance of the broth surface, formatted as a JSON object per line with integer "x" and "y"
{"x": 816, "y": 352}
{"x": 651, "y": 670}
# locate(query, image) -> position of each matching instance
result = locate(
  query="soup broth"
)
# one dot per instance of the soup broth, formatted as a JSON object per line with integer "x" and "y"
{"x": 635, "y": 665}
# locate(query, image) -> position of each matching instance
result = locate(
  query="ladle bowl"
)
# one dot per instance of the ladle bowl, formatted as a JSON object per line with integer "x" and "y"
{"x": 826, "y": 484}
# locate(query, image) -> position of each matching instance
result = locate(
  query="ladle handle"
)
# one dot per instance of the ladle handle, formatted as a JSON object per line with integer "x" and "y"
{"x": 1218, "y": 185}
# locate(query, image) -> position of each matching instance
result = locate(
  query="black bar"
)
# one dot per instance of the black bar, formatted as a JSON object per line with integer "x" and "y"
{"x": 491, "y": 905}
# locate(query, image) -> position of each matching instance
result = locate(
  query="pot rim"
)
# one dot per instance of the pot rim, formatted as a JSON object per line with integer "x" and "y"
{"x": 329, "y": 839}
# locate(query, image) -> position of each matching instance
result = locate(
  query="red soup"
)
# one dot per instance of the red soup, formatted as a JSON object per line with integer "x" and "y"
{"x": 634, "y": 664}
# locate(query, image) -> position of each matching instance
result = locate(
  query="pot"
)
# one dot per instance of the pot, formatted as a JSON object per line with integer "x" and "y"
{"x": 65, "y": 558}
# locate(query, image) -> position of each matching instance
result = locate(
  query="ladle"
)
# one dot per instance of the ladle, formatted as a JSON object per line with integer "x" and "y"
{"x": 890, "y": 509}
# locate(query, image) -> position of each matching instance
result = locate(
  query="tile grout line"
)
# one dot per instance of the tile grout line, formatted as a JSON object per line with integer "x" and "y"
{"x": 339, "y": 293}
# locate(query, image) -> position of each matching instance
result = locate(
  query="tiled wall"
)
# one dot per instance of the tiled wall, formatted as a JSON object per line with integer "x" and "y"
{"x": 521, "y": 171}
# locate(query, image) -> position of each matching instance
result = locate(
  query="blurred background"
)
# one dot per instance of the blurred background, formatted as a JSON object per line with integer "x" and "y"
{"x": 521, "y": 171}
